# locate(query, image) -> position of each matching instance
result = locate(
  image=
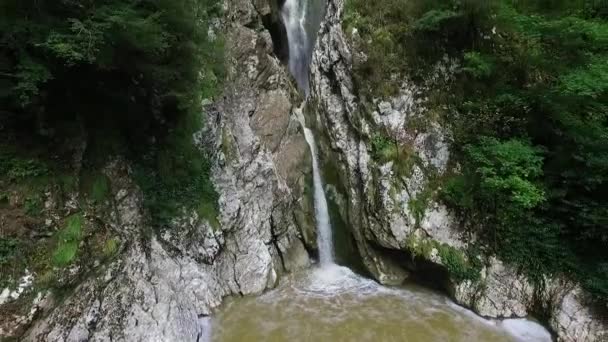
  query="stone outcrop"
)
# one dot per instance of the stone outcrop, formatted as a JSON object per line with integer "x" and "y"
{"x": 162, "y": 286}
{"x": 398, "y": 225}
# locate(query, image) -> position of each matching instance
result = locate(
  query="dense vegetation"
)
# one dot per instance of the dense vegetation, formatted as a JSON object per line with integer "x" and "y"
{"x": 529, "y": 112}
{"x": 114, "y": 77}
{"x": 128, "y": 74}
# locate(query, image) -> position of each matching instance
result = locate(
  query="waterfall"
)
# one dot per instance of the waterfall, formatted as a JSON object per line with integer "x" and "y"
{"x": 324, "y": 238}
{"x": 294, "y": 15}
{"x": 302, "y": 19}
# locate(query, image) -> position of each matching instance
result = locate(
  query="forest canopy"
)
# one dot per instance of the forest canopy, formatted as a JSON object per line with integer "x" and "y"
{"x": 108, "y": 53}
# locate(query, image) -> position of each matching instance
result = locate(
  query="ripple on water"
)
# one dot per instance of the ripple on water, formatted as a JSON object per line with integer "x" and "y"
{"x": 334, "y": 304}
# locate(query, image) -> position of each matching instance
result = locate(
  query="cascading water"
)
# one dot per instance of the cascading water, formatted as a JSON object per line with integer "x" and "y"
{"x": 301, "y": 19}
{"x": 331, "y": 303}
{"x": 324, "y": 235}
{"x": 294, "y": 14}
{"x": 294, "y": 17}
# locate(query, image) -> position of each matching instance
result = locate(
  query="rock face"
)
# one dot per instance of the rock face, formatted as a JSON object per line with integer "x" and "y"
{"x": 163, "y": 286}
{"x": 396, "y": 223}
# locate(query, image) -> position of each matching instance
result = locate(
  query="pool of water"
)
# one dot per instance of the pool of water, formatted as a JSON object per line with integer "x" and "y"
{"x": 334, "y": 304}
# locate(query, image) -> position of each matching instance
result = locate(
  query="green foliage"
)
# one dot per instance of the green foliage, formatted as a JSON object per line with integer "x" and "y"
{"x": 73, "y": 228}
{"x": 462, "y": 265}
{"x": 597, "y": 280}
{"x": 65, "y": 253}
{"x": 166, "y": 38}
{"x": 385, "y": 150}
{"x": 458, "y": 192}
{"x": 17, "y": 169}
{"x": 8, "y": 250}
{"x": 419, "y": 205}
{"x": 130, "y": 76}
{"x": 419, "y": 247}
{"x": 100, "y": 189}
{"x": 506, "y": 171}
{"x": 30, "y": 75}
{"x": 110, "y": 247}
{"x": 402, "y": 37}
{"x": 501, "y": 190}
{"x": 68, "y": 240}
{"x": 434, "y": 20}
{"x": 177, "y": 176}
{"x": 33, "y": 205}
{"x": 589, "y": 81}
{"x": 534, "y": 85}
{"x": 477, "y": 65}
{"x": 209, "y": 211}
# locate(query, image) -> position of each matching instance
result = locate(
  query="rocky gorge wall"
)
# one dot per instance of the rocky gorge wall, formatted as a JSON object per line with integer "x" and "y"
{"x": 390, "y": 205}
{"x": 162, "y": 286}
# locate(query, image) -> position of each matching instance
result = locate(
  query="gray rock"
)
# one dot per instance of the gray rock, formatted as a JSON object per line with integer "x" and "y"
{"x": 378, "y": 199}
{"x": 385, "y": 108}
{"x": 161, "y": 287}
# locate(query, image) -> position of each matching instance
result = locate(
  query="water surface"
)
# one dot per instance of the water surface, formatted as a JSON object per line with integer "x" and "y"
{"x": 334, "y": 304}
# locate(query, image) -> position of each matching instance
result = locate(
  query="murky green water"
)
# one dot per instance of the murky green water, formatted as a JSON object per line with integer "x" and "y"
{"x": 334, "y": 304}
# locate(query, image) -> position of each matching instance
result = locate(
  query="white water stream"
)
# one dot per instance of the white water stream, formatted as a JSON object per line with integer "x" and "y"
{"x": 324, "y": 234}
{"x": 294, "y": 18}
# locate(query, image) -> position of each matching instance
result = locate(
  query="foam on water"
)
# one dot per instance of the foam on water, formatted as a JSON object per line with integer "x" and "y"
{"x": 332, "y": 280}
{"x": 526, "y": 330}
{"x": 332, "y": 303}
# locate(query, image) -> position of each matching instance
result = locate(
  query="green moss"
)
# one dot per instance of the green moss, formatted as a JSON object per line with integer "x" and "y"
{"x": 67, "y": 241}
{"x": 384, "y": 149}
{"x": 73, "y": 228}
{"x": 65, "y": 253}
{"x": 9, "y": 248}
{"x": 462, "y": 265}
{"x": 456, "y": 263}
{"x": 404, "y": 158}
{"x": 110, "y": 247}
{"x": 228, "y": 145}
{"x": 419, "y": 247}
{"x": 16, "y": 168}
{"x": 33, "y": 205}
{"x": 419, "y": 205}
{"x": 100, "y": 188}
{"x": 208, "y": 211}
{"x": 46, "y": 279}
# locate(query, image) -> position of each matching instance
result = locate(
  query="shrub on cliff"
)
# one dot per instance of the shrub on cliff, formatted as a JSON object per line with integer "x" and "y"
{"x": 534, "y": 78}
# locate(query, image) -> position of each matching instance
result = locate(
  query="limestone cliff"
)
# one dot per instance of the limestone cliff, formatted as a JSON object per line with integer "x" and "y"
{"x": 162, "y": 286}
{"x": 398, "y": 225}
